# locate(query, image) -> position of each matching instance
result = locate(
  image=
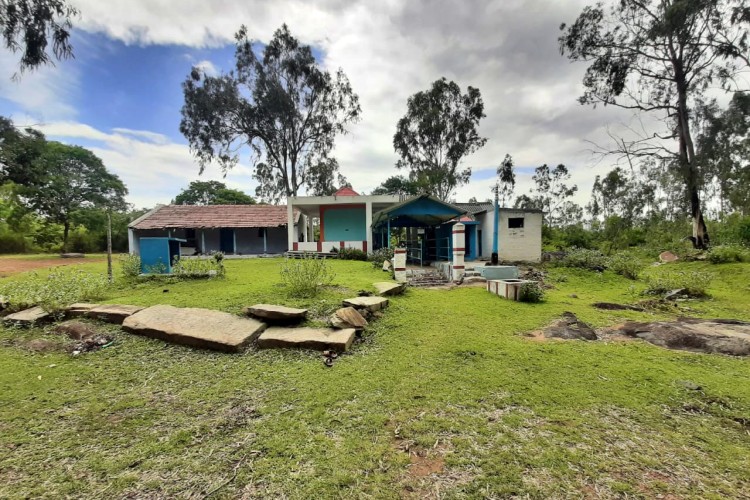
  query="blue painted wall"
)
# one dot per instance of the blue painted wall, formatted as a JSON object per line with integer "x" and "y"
{"x": 344, "y": 224}
{"x": 155, "y": 252}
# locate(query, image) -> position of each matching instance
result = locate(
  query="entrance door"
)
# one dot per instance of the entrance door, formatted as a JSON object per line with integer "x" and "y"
{"x": 226, "y": 240}
{"x": 467, "y": 241}
{"x": 479, "y": 242}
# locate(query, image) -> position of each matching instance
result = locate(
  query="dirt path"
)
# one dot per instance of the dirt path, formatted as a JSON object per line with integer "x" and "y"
{"x": 11, "y": 266}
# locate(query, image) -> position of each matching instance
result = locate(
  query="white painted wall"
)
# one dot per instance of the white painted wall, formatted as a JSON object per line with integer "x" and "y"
{"x": 520, "y": 244}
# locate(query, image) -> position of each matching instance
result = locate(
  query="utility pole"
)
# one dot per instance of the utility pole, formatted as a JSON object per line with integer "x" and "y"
{"x": 109, "y": 246}
{"x": 494, "y": 259}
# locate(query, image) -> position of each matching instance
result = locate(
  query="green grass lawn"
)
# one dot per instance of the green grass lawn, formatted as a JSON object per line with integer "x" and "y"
{"x": 443, "y": 397}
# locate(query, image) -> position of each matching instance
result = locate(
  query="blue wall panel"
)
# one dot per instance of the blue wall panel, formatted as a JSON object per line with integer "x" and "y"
{"x": 344, "y": 224}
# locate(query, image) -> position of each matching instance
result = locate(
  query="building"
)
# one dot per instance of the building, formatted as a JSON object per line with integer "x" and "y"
{"x": 422, "y": 224}
{"x": 202, "y": 229}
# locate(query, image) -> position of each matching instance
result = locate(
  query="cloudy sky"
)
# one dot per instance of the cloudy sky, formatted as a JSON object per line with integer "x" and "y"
{"x": 121, "y": 95}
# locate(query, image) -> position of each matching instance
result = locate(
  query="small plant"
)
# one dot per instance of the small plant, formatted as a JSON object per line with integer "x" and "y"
{"x": 381, "y": 255}
{"x": 199, "y": 268}
{"x": 724, "y": 254}
{"x": 693, "y": 283}
{"x": 306, "y": 276}
{"x": 56, "y": 290}
{"x": 352, "y": 254}
{"x": 592, "y": 260}
{"x": 130, "y": 266}
{"x": 531, "y": 291}
{"x": 625, "y": 265}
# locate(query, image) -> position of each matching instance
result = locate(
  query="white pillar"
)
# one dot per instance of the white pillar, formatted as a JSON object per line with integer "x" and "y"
{"x": 459, "y": 249}
{"x": 399, "y": 264}
{"x": 290, "y": 224}
{"x": 368, "y": 226}
{"x": 131, "y": 243}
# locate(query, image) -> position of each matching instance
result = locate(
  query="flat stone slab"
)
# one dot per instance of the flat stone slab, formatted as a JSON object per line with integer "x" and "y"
{"x": 372, "y": 304}
{"x": 27, "y": 317}
{"x": 72, "y": 255}
{"x": 112, "y": 313}
{"x": 310, "y": 338}
{"x": 569, "y": 327}
{"x": 203, "y": 328}
{"x": 722, "y": 336}
{"x": 79, "y": 309}
{"x": 276, "y": 314}
{"x": 388, "y": 288}
{"x": 348, "y": 317}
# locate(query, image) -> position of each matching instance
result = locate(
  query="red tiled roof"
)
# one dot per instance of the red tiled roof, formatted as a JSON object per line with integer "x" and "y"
{"x": 346, "y": 191}
{"x": 215, "y": 216}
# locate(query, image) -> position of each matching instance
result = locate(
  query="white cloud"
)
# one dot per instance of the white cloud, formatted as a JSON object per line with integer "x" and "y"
{"x": 207, "y": 67}
{"x": 389, "y": 50}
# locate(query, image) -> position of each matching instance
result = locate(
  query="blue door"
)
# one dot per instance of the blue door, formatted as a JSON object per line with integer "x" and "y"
{"x": 226, "y": 240}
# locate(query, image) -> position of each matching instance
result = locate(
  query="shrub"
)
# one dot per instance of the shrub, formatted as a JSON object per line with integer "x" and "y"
{"x": 130, "y": 266}
{"x": 352, "y": 254}
{"x": 531, "y": 292}
{"x": 694, "y": 283}
{"x": 626, "y": 265}
{"x": 304, "y": 277}
{"x": 724, "y": 254}
{"x": 593, "y": 260}
{"x": 199, "y": 268}
{"x": 56, "y": 290}
{"x": 381, "y": 255}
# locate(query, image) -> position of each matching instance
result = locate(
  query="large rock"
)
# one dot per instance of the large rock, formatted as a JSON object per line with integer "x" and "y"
{"x": 348, "y": 317}
{"x": 371, "y": 304}
{"x": 112, "y": 313}
{"x": 28, "y": 317}
{"x": 569, "y": 328}
{"x": 75, "y": 330}
{"x": 387, "y": 288}
{"x": 194, "y": 327}
{"x": 79, "y": 309}
{"x": 668, "y": 257}
{"x": 689, "y": 334}
{"x": 276, "y": 314}
{"x": 310, "y": 338}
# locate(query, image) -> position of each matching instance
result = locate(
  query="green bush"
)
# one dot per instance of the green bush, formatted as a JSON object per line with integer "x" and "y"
{"x": 694, "y": 283}
{"x": 352, "y": 254}
{"x": 13, "y": 243}
{"x": 381, "y": 255}
{"x": 626, "y": 265}
{"x": 56, "y": 290}
{"x": 130, "y": 266}
{"x": 593, "y": 260}
{"x": 305, "y": 277}
{"x": 724, "y": 254}
{"x": 199, "y": 268}
{"x": 531, "y": 292}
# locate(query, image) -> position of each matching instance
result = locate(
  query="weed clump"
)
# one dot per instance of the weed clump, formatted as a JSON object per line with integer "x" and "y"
{"x": 583, "y": 258}
{"x": 306, "y": 276}
{"x": 381, "y": 255}
{"x": 56, "y": 290}
{"x": 724, "y": 254}
{"x": 693, "y": 283}
{"x": 531, "y": 291}
{"x": 352, "y": 254}
{"x": 130, "y": 266}
{"x": 625, "y": 265}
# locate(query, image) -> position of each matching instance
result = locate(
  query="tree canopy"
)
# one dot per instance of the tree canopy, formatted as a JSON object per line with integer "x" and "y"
{"x": 282, "y": 105}
{"x": 31, "y": 26}
{"x": 506, "y": 180}
{"x": 438, "y": 131}
{"x": 659, "y": 57}
{"x": 398, "y": 185}
{"x": 211, "y": 193}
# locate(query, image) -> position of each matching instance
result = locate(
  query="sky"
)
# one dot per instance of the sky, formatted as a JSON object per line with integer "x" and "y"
{"x": 121, "y": 95}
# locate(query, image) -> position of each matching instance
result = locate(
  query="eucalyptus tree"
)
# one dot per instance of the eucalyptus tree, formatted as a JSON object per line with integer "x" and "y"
{"x": 277, "y": 104}
{"x": 437, "y": 132}
{"x": 660, "y": 57}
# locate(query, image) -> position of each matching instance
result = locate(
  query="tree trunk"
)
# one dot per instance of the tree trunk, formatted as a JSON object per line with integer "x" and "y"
{"x": 109, "y": 247}
{"x": 66, "y": 230}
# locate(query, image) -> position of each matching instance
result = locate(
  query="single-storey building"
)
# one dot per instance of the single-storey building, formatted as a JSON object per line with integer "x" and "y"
{"x": 422, "y": 224}
{"x": 202, "y": 229}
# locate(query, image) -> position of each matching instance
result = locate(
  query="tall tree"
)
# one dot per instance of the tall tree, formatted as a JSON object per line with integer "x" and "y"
{"x": 73, "y": 178}
{"x": 325, "y": 178}
{"x": 30, "y": 26}
{"x": 19, "y": 152}
{"x": 438, "y": 131}
{"x": 552, "y": 196}
{"x": 397, "y": 185}
{"x": 211, "y": 193}
{"x": 506, "y": 180}
{"x": 282, "y": 105}
{"x": 660, "y": 56}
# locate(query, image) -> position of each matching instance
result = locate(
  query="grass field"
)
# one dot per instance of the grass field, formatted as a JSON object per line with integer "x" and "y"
{"x": 444, "y": 397}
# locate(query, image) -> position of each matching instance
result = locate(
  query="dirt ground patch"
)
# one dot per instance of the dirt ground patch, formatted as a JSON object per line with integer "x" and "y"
{"x": 11, "y": 266}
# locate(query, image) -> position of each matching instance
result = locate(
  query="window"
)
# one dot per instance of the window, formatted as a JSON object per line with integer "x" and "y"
{"x": 515, "y": 223}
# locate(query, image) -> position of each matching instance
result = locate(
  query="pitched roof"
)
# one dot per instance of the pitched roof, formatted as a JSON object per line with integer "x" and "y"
{"x": 214, "y": 216}
{"x": 346, "y": 191}
{"x": 476, "y": 207}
